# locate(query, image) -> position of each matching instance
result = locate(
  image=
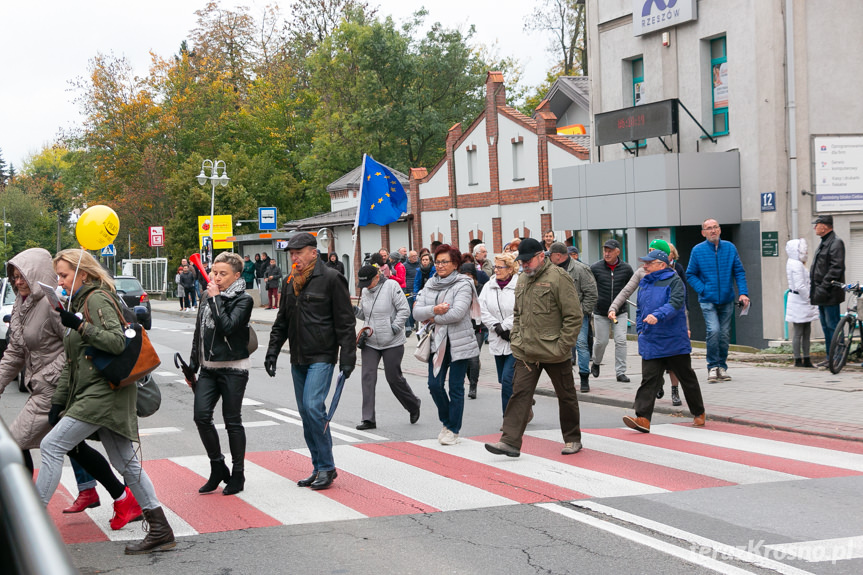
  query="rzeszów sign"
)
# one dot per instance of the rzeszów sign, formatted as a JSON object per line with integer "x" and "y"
{"x": 652, "y": 15}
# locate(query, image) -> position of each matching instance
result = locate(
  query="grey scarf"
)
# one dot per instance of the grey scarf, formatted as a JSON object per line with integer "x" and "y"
{"x": 235, "y": 289}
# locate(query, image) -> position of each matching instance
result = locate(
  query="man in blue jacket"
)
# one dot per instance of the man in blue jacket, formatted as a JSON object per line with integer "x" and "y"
{"x": 714, "y": 266}
{"x": 663, "y": 341}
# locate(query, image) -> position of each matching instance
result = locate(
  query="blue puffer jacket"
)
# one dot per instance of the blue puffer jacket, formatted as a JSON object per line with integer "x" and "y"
{"x": 713, "y": 269}
{"x": 663, "y": 295}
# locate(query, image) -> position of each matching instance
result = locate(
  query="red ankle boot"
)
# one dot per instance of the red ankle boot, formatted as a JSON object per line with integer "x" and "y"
{"x": 87, "y": 499}
{"x": 125, "y": 510}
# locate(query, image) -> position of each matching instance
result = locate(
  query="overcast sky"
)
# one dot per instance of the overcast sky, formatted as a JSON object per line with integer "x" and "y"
{"x": 46, "y": 44}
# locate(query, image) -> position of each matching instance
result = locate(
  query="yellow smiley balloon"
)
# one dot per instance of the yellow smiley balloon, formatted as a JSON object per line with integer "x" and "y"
{"x": 97, "y": 227}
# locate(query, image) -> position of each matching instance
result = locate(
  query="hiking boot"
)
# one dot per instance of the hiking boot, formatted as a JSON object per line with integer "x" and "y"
{"x": 159, "y": 537}
{"x": 641, "y": 424}
{"x": 585, "y": 382}
{"x": 675, "y": 396}
{"x": 87, "y": 499}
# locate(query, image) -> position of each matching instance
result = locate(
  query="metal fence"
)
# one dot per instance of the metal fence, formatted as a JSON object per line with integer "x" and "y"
{"x": 29, "y": 542}
{"x": 152, "y": 273}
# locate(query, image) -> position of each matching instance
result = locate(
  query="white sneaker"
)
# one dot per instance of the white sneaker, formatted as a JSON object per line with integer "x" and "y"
{"x": 449, "y": 438}
{"x": 713, "y": 375}
{"x": 440, "y": 435}
{"x": 722, "y": 375}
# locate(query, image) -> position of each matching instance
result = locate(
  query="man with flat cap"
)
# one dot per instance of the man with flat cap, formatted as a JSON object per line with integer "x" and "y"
{"x": 612, "y": 274}
{"x": 546, "y": 322}
{"x": 316, "y": 315}
{"x": 828, "y": 266}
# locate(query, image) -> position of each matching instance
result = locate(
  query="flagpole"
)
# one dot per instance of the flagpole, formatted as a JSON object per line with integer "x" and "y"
{"x": 357, "y": 218}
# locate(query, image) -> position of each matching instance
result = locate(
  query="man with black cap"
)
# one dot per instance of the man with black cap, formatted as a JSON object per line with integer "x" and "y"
{"x": 547, "y": 319}
{"x": 828, "y": 266}
{"x": 316, "y": 315}
{"x": 585, "y": 285}
{"x": 611, "y": 274}
{"x": 663, "y": 341}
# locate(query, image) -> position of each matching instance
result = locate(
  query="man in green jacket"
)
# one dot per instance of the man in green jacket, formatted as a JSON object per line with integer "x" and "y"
{"x": 547, "y": 320}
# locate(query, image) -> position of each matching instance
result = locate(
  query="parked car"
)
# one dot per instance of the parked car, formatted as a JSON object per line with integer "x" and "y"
{"x": 131, "y": 291}
{"x": 7, "y": 300}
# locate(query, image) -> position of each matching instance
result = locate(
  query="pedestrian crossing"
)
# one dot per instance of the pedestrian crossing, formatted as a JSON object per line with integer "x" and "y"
{"x": 386, "y": 478}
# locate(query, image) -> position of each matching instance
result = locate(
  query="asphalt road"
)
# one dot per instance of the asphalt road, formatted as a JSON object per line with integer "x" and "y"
{"x": 665, "y": 503}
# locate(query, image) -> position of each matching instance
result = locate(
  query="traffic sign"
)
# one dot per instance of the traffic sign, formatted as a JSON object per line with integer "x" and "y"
{"x": 157, "y": 236}
{"x": 108, "y": 250}
{"x": 267, "y": 218}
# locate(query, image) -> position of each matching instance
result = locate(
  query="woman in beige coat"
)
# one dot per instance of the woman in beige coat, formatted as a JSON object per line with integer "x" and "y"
{"x": 36, "y": 346}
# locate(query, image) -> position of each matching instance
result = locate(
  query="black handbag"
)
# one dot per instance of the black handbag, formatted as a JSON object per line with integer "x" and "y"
{"x": 149, "y": 397}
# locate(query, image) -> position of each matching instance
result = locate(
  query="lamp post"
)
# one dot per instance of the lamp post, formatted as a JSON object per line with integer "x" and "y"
{"x": 5, "y": 225}
{"x": 218, "y": 175}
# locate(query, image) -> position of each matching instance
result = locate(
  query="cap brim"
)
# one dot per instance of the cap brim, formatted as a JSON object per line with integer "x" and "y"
{"x": 365, "y": 283}
{"x": 525, "y": 257}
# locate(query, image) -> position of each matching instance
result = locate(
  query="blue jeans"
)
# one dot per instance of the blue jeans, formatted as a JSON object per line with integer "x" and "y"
{"x": 829, "y": 316}
{"x": 582, "y": 349}
{"x": 410, "y": 321}
{"x": 450, "y": 408}
{"x": 717, "y": 318}
{"x": 82, "y": 478}
{"x": 311, "y": 386}
{"x": 505, "y": 370}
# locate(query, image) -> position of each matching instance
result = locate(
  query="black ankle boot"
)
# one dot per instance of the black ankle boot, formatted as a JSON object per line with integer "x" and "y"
{"x": 798, "y": 362}
{"x": 472, "y": 391}
{"x": 675, "y": 396}
{"x": 218, "y": 472}
{"x": 236, "y": 483}
{"x": 807, "y": 362}
{"x": 585, "y": 382}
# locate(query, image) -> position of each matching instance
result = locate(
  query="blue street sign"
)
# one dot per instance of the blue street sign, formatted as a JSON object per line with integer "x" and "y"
{"x": 768, "y": 202}
{"x": 108, "y": 250}
{"x": 266, "y": 218}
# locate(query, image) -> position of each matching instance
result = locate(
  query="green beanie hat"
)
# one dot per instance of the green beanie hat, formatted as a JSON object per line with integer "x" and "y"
{"x": 662, "y": 245}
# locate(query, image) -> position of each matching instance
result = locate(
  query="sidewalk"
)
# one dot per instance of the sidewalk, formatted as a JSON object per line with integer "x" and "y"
{"x": 761, "y": 393}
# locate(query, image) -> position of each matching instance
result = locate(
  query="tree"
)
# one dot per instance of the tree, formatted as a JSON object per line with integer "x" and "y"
{"x": 4, "y": 174}
{"x": 565, "y": 23}
{"x": 46, "y": 177}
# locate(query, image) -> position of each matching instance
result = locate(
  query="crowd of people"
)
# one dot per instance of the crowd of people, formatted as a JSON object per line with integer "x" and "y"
{"x": 536, "y": 304}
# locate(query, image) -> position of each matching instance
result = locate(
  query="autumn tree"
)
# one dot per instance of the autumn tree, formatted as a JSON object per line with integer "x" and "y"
{"x": 564, "y": 22}
{"x": 45, "y": 179}
{"x": 31, "y": 220}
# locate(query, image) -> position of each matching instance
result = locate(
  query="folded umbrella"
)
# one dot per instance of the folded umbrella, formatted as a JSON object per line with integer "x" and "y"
{"x": 337, "y": 395}
{"x": 187, "y": 371}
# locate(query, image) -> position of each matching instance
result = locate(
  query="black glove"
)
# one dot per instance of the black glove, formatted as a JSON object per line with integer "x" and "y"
{"x": 54, "y": 414}
{"x": 69, "y": 319}
{"x": 347, "y": 370}
{"x": 498, "y": 330}
{"x": 505, "y": 335}
{"x": 270, "y": 365}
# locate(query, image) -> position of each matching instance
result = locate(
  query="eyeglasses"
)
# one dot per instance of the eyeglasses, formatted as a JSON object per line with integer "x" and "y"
{"x": 711, "y": 228}
{"x": 501, "y": 267}
{"x": 442, "y": 262}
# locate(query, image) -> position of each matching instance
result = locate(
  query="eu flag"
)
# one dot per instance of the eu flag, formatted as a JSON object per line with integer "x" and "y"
{"x": 382, "y": 196}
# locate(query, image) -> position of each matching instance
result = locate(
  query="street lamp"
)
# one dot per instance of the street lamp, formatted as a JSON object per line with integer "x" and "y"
{"x": 5, "y": 225}
{"x": 216, "y": 177}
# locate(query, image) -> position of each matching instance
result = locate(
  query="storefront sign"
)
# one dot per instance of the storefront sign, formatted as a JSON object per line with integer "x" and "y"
{"x": 838, "y": 173}
{"x": 769, "y": 244}
{"x": 636, "y": 123}
{"x": 652, "y": 15}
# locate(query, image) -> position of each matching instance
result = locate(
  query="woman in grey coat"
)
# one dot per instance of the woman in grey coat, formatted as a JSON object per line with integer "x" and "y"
{"x": 384, "y": 308}
{"x": 447, "y": 304}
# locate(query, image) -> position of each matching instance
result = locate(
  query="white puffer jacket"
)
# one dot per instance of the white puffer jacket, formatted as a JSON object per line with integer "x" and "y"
{"x": 798, "y": 310}
{"x": 497, "y": 308}
{"x": 385, "y": 309}
{"x": 457, "y": 290}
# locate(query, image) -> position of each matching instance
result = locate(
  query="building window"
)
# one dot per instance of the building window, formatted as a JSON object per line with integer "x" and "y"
{"x": 719, "y": 84}
{"x": 471, "y": 166}
{"x": 638, "y": 93}
{"x": 517, "y": 158}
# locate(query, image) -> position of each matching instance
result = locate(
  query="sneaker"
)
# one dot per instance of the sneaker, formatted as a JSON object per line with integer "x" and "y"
{"x": 501, "y": 448}
{"x": 125, "y": 510}
{"x": 675, "y": 396}
{"x": 449, "y": 438}
{"x": 571, "y": 447}
{"x": 622, "y": 378}
{"x": 443, "y": 432}
{"x": 641, "y": 424}
{"x": 594, "y": 370}
{"x": 713, "y": 375}
{"x": 722, "y": 375}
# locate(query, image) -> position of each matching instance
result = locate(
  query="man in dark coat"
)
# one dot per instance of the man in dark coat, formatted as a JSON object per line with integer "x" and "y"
{"x": 828, "y": 266}
{"x": 611, "y": 274}
{"x": 316, "y": 315}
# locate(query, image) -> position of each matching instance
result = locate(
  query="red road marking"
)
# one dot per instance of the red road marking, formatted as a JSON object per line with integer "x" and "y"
{"x": 831, "y": 443}
{"x": 209, "y": 513}
{"x": 504, "y": 483}
{"x": 359, "y": 494}
{"x": 794, "y": 467}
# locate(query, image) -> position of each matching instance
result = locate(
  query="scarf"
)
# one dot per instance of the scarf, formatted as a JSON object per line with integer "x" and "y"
{"x": 301, "y": 280}
{"x": 503, "y": 283}
{"x": 235, "y": 289}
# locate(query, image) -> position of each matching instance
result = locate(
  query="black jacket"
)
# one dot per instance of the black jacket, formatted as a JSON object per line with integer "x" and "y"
{"x": 319, "y": 322}
{"x": 336, "y": 265}
{"x": 187, "y": 280}
{"x": 609, "y": 283}
{"x": 229, "y": 339}
{"x": 274, "y": 271}
{"x": 828, "y": 266}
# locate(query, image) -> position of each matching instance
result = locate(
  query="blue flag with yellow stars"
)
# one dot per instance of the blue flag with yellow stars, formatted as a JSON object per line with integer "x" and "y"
{"x": 382, "y": 196}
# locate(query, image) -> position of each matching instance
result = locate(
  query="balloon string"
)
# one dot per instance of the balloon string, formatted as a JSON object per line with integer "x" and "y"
{"x": 74, "y": 277}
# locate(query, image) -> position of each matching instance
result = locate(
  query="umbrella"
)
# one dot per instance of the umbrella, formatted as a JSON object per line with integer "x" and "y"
{"x": 337, "y": 395}
{"x": 187, "y": 371}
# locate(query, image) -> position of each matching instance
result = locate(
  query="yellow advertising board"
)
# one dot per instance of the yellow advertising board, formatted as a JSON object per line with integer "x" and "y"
{"x": 223, "y": 227}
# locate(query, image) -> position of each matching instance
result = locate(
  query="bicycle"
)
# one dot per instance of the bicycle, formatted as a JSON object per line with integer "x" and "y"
{"x": 843, "y": 343}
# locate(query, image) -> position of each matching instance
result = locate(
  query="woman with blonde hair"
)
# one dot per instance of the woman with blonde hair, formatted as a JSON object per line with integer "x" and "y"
{"x": 497, "y": 302}
{"x": 85, "y": 403}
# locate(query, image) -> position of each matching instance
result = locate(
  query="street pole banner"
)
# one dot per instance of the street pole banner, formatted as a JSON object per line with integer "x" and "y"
{"x": 157, "y": 236}
{"x": 222, "y": 228}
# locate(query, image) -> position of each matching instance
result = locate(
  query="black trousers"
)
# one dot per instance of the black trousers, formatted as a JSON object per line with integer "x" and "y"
{"x": 652, "y": 371}
{"x": 229, "y": 385}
